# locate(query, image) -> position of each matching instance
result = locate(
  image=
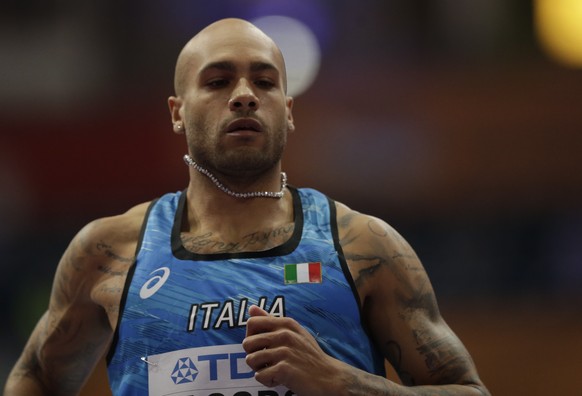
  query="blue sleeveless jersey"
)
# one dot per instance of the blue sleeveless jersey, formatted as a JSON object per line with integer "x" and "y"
{"x": 182, "y": 316}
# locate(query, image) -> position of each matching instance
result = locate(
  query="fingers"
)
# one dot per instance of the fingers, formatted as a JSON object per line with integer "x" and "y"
{"x": 280, "y": 350}
{"x": 271, "y": 375}
{"x": 260, "y": 321}
{"x": 254, "y": 326}
{"x": 253, "y": 344}
{"x": 270, "y": 365}
{"x": 262, "y": 335}
{"x": 255, "y": 310}
{"x": 261, "y": 359}
{"x": 266, "y": 331}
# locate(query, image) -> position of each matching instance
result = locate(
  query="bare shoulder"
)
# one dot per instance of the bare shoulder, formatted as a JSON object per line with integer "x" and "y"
{"x": 103, "y": 244}
{"x": 115, "y": 230}
{"x": 372, "y": 248}
{"x": 100, "y": 256}
{"x": 365, "y": 229}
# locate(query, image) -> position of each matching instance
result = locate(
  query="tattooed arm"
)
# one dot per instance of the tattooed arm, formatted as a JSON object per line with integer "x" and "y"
{"x": 399, "y": 307}
{"x": 77, "y": 328}
{"x": 401, "y": 311}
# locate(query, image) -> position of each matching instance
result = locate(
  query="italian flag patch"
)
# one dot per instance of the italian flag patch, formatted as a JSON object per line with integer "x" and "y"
{"x": 302, "y": 273}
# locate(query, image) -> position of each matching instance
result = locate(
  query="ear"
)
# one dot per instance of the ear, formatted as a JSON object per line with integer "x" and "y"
{"x": 175, "y": 104}
{"x": 290, "y": 123}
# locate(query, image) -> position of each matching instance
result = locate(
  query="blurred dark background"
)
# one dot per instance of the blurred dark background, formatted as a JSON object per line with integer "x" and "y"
{"x": 458, "y": 122}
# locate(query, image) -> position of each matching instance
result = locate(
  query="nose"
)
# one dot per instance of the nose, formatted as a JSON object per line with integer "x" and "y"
{"x": 243, "y": 97}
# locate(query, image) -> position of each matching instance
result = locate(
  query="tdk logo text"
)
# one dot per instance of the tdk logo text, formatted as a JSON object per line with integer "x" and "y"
{"x": 233, "y": 359}
{"x": 186, "y": 371}
{"x": 216, "y": 370}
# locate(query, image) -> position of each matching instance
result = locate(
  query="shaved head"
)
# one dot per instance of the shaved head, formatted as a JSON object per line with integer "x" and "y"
{"x": 223, "y": 33}
{"x": 232, "y": 71}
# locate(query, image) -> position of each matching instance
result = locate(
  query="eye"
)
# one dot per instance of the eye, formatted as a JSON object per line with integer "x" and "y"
{"x": 264, "y": 83}
{"x": 217, "y": 83}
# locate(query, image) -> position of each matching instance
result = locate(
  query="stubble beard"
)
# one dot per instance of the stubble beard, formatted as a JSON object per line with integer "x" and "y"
{"x": 241, "y": 162}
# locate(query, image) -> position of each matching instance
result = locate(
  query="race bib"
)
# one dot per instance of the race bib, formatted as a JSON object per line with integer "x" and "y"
{"x": 207, "y": 371}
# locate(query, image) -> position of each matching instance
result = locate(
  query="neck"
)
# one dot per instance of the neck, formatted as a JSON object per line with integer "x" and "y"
{"x": 232, "y": 219}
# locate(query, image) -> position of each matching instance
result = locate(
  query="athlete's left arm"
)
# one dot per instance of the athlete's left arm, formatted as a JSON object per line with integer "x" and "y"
{"x": 400, "y": 309}
{"x": 399, "y": 306}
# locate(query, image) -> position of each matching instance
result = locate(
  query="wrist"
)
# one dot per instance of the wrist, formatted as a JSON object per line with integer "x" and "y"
{"x": 355, "y": 382}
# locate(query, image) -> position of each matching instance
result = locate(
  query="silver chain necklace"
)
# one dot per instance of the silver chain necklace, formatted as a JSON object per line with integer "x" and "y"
{"x": 256, "y": 194}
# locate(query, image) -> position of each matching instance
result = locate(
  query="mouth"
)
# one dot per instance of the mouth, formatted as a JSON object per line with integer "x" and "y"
{"x": 244, "y": 125}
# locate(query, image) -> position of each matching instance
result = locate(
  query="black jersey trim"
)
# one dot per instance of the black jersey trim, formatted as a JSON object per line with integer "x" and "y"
{"x": 181, "y": 253}
{"x": 127, "y": 283}
{"x": 348, "y": 274}
{"x": 342, "y": 258}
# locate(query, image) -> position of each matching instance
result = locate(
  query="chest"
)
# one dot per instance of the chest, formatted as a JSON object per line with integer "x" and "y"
{"x": 202, "y": 295}
{"x": 175, "y": 304}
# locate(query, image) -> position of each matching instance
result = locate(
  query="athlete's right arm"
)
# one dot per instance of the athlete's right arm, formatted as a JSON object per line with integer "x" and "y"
{"x": 77, "y": 328}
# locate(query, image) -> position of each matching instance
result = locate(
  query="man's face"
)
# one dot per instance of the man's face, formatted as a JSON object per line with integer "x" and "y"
{"x": 233, "y": 104}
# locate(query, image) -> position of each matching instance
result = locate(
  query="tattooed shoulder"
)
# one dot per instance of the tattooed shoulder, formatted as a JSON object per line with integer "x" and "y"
{"x": 105, "y": 247}
{"x": 372, "y": 247}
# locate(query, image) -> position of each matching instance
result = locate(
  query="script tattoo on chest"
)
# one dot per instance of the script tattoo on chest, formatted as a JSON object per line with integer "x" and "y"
{"x": 211, "y": 243}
